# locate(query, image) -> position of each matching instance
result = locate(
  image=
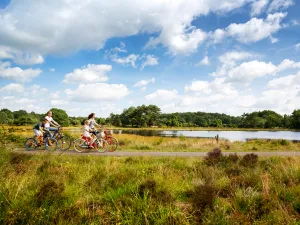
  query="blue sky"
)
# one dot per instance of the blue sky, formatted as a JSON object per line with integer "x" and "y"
{"x": 186, "y": 55}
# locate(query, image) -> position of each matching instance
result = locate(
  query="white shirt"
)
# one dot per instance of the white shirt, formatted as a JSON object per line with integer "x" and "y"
{"x": 92, "y": 123}
{"x": 49, "y": 119}
{"x": 86, "y": 131}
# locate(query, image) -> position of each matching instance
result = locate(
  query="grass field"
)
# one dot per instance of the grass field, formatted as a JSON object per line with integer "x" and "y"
{"x": 52, "y": 189}
{"x": 44, "y": 189}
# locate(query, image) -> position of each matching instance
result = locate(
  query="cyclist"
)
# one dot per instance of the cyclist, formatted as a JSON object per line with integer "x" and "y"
{"x": 51, "y": 121}
{"x": 38, "y": 131}
{"x": 92, "y": 122}
{"x": 86, "y": 133}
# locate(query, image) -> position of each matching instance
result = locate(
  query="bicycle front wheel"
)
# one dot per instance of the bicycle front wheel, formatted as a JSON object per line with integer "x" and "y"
{"x": 112, "y": 144}
{"x": 101, "y": 145}
{"x": 80, "y": 145}
{"x": 64, "y": 143}
{"x": 51, "y": 144}
{"x": 30, "y": 144}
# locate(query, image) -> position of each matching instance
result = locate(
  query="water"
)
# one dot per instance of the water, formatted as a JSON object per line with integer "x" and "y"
{"x": 229, "y": 135}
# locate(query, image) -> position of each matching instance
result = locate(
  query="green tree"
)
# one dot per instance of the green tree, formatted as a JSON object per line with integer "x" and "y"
{"x": 75, "y": 122}
{"x": 9, "y": 113}
{"x": 25, "y": 120}
{"x": 3, "y": 118}
{"x": 20, "y": 113}
{"x": 61, "y": 117}
{"x": 295, "y": 119}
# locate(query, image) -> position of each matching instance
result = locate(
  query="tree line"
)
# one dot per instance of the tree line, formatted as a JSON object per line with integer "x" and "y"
{"x": 149, "y": 116}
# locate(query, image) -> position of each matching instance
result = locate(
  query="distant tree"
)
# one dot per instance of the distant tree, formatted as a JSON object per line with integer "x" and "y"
{"x": 75, "y": 122}
{"x": 286, "y": 121}
{"x": 25, "y": 120}
{"x": 295, "y": 119}
{"x": 20, "y": 113}
{"x": 3, "y": 118}
{"x": 61, "y": 117}
{"x": 9, "y": 113}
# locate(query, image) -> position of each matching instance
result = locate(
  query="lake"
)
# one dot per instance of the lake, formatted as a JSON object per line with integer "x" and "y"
{"x": 229, "y": 135}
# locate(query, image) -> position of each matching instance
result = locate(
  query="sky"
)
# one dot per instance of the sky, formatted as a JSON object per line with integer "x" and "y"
{"x": 233, "y": 56}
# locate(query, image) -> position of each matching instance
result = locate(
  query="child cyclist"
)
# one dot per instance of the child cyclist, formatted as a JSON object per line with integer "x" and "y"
{"x": 40, "y": 131}
{"x": 87, "y": 134}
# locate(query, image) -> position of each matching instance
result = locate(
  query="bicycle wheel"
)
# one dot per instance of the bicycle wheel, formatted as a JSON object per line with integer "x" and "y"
{"x": 51, "y": 144}
{"x": 80, "y": 145}
{"x": 64, "y": 143}
{"x": 112, "y": 144}
{"x": 101, "y": 145}
{"x": 30, "y": 144}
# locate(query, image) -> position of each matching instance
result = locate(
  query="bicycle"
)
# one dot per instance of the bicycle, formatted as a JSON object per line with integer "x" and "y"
{"x": 113, "y": 142}
{"x": 64, "y": 142}
{"x": 82, "y": 144}
{"x": 31, "y": 143}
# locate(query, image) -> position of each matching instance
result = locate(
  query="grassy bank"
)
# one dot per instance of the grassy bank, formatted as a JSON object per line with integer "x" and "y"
{"x": 43, "y": 189}
{"x": 129, "y": 142}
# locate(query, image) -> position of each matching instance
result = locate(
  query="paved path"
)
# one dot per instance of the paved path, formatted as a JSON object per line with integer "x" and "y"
{"x": 140, "y": 153}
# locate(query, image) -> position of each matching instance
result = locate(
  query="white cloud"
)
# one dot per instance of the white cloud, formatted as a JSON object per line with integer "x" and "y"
{"x": 249, "y": 71}
{"x": 55, "y": 95}
{"x": 252, "y": 31}
{"x": 12, "y": 88}
{"x": 256, "y": 29}
{"x": 297, "y": 46}
{"x": 143, "y": 83}
{"x": 16, "y": 73}
{"x": 273, "y": 39}
{"x": 205, "y": 61}
{"x": 130, "y": 59}
{"x": 52, "y": 70}
{"x": 179, "y": 38}
{"x": 229, "y": 60}
{"x": 288, "y": 64}
{"x": 245, "y": 101}
{"x": 37, "y": 89}
{"x": 151, "y": 60}
{"x": 94, "y": 22}
{"x": 97, "y": 92}
{"x": 113, "y": 55}
{"x": 19, "y": 57}
{"x": 216, "y": 86}
{"x": 246, "y": 72}
{"x": 56, "y": 102}
{"x": 89, "y": 74}
{"x": 285, "y": 83}
{"x": 258, "y": 7}
{"x": 277, "y": 5}
{"x": 162, "y": 95}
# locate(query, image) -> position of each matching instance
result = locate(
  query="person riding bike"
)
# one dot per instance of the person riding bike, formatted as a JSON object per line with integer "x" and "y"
{"x": 86, "y": 133}
{"x": 41, "y": 132}
{"x": 38, "y": 131}
{"x": 92, "y": 124}
{"x": 51, "y": 121}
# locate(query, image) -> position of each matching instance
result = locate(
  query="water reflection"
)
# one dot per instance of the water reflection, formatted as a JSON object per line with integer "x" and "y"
{"x": 229, "y": 135}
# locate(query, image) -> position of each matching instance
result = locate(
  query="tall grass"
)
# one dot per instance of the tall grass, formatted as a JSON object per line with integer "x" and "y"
{"x": 44, "y": 189}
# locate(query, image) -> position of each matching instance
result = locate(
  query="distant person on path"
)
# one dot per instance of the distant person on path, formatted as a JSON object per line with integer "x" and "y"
{"x": 51, "y": 121}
